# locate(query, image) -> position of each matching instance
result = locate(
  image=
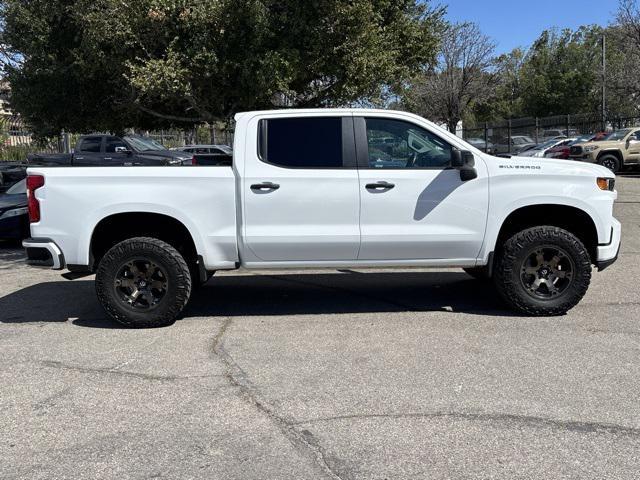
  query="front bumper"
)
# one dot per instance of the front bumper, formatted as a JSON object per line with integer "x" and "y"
{"x": 608, "y": 254}
{"x": 585, "y": 157}
{"x": 42, "y": 252}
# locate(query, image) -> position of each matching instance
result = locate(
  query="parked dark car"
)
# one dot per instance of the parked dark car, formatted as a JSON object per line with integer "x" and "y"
{"x": 14, "y": 217}
{"x": 481, "y": 144}
{"x": 519, "y": 143}
{"x": 209, "y": 155}
{"x": 109, "y": 150}
{"x": 10, "y": 173}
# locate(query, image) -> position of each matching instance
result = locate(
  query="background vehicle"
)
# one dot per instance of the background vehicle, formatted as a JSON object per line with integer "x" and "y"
{"x": 209, "y": 155}
{"x": 318, "y": 189}
{"x": 519, "y": 143}
{"x": 109, "y": 150}
{"x": 14, "y": 220}
{"x": 543, "y": 148}
{"x": 480, "y": 144}
{"x": 617, "y": 150}
{"x": 558, "y": 134}
{"x": 563, "y": 150}
{"x": 10, "y": 173}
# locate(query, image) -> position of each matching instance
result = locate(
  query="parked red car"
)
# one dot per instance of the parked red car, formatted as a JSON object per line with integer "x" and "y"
{"x": 562, "y": 151}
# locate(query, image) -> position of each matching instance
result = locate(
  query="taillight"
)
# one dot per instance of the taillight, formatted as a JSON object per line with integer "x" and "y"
{"x": 34, "y": 182}
{"x": 194, "y": 161}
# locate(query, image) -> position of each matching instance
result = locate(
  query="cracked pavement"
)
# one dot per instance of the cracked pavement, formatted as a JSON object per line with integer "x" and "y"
{"x": 324, "y": 375}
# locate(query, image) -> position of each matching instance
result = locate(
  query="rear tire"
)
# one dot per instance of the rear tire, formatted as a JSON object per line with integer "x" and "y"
{"x": 143, "y": 282}
{"x": 611, "y": 162}
{"x": 543, "y": 271}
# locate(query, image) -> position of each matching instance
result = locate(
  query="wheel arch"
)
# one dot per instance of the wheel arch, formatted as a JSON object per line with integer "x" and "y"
{"x": 615, "y": 152}
{"x": 120, "y": 226}
{"x": 571, "y": 218}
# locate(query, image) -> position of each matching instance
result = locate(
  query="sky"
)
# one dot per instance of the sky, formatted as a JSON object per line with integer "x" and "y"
{"x": 517, "y": 23}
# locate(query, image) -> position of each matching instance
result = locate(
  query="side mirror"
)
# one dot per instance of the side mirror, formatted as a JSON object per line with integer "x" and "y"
{"x": 123, "y": 150}
{"x": 464, "y": 161}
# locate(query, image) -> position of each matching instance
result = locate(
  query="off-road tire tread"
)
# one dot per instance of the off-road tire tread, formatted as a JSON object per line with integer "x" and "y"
{"x": 178, "y": 272}
{"x": 509, "y": 286}
{"x": 614, "y": 157}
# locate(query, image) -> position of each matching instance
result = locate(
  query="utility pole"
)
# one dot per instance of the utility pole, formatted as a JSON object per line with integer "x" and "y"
{"x": 604, "y": 82}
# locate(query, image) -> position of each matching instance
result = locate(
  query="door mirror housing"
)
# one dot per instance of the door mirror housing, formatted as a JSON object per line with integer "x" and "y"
{"x": 123, "y": 150}
{"x": 464, "y": 161}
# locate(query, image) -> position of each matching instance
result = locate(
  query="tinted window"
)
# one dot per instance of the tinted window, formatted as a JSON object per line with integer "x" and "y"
{"x": 398, "y": 144}
{"x": 302, "y": 142}
{"x": 91, "y": 144}
{"x": 18, "y": 188}
{"x": 636, "y": 136}
{"x": 112, "y": 143}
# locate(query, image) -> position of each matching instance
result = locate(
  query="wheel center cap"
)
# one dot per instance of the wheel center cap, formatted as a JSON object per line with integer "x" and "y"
{"x": 544, "y": 272}
{"x": 142, "y": 284}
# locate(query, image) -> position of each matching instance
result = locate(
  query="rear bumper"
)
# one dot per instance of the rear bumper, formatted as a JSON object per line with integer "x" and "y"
{"x": 42, "y": 252}
{"x": 608, "y": 254}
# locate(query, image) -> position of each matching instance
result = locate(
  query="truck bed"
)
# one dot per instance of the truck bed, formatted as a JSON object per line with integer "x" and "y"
{"x": 202, "y": 198}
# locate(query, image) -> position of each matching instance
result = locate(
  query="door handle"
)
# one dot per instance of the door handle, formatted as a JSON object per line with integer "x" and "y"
{"x": 380, "y": 186}
{"x": 265, "y": 186}
{"x": 108, "y": 158}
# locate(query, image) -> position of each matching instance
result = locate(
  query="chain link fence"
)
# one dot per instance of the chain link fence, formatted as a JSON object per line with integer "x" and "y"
{"x": 510, "y": 136}
{"x": 17, "y": 139}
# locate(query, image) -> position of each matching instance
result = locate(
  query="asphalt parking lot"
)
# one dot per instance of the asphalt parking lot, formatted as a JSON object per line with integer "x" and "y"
{"x": 313, "y": 375}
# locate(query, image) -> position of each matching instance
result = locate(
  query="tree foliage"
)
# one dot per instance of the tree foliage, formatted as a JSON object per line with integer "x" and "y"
{"x": 108, "y": 64}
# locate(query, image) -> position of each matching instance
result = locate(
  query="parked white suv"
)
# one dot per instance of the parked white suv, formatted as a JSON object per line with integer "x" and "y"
{"x": 327, "y": 188}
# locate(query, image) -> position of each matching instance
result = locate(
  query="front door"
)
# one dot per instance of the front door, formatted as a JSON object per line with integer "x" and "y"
{"x": 414, "y": 205}
{"x": 633, "y": 147}
{"x": 300, "y": 191}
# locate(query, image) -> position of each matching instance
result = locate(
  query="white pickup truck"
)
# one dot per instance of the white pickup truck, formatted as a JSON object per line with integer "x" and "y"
{"x": 327, "y": 188}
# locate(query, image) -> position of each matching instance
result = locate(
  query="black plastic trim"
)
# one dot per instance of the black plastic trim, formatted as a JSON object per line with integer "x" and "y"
{"x": 607, "y": 263}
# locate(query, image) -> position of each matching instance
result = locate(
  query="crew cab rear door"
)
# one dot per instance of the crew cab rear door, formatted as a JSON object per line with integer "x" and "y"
{"x": 414, "y": 206}
{"x": 300, "y": 189}
{"x": 88, "y": 151}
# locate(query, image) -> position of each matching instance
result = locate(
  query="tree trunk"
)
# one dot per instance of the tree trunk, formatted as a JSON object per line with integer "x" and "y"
{"x": 452, "y": 125}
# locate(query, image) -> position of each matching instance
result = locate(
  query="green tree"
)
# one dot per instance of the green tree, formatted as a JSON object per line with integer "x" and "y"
{"x": 109, "y": 64}
{"x": 560, "y": 73}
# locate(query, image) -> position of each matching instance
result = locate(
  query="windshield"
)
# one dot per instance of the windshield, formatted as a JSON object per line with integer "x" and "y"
{"x": 144, "y": 144}
{"x": 19, "y": 188}
{"x": 619, "y": 135}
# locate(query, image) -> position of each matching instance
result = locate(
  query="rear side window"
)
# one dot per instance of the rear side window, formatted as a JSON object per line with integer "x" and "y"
{"x": 91, "y": 144}
{"x": 302, "y": 142}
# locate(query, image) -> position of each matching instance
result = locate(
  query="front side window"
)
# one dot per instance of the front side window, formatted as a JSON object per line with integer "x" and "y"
{"x": 302, "y": 142}
{"x": 112, "y": 143}
{"x": 635, "y": 137}
{"x": 91, "y": 145}
{"x": 399, "y": 144}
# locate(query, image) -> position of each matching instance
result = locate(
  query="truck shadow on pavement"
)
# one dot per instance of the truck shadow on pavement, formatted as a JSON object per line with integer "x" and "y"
{"x": 270, "y": 295}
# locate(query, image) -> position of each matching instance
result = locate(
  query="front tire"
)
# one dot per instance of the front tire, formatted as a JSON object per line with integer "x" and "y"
{"x": 611, "y": 162}
{"x": 143, "y": 282}
{"x": 543, "y": 271}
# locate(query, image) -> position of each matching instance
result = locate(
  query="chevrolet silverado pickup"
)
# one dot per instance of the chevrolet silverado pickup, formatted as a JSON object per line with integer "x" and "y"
{"x": 329, "y": 188}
